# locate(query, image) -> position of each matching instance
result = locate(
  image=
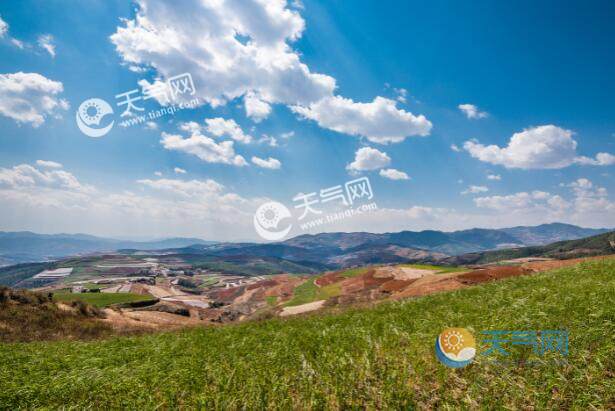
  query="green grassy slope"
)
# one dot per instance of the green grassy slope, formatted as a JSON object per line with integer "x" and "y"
{"x": 376, "y": 358}
{"x": 101, "y": 299}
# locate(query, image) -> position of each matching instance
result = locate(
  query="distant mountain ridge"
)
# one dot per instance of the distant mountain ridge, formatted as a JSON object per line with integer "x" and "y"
{"x": 325, "y": 249}
{"x": 452, "y": 243}
{"x": 335, "y": 250}
{"x": 601, "y": 244}
{"x": 26, "y": 246}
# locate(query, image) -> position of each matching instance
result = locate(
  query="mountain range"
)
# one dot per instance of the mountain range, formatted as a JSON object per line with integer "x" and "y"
{"x": 25, "y": 246}
{"x": 321, "y": 250}
{"x": 336, "y": 250}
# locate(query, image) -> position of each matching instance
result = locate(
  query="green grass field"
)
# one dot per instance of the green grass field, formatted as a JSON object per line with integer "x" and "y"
{"x": 376, "y": 358}
{"x": 438, "y": 268}
{"x": 309, "y": 291}
{"x": 101, "y": 299}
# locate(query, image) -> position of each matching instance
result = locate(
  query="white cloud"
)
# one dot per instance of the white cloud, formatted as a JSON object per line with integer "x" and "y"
{"x": 48, "y": 164}
{"x": 602, "y": 159}
{"x": 543, "y": 147}
{"x": 270, "y": 140}
{"x": 30, "y": 98}
{"x": 494, "y": 177}
{"x": 205, "y": 148}
{"x": 521, "y": 202}
{"x": 270, "y": 163}
{"x": 379, "y": 121}
{"x": 220, "y": 127}
{"x": 472, "y": 112}
{"x": 475, "y": 190}
{"x": 393, "y": 174}
{"x": 402, "y": 94}
{"x": 4, "y": 27}
{"x": 244, "y": 49}
{"x": 54, "y": 200}
{"x": 231, "y": 48}
{"x": 454, "y": 147}
{"x": 158, "y": 173}
{"x": 287, "y": 135}
{"x": 150, "y": 125}
{"x": 179, "y": 170}
{"x": 46, "y": 42}
{"x": 18, "y": 43}
{"x": 256, "y": 108}
{"x": 191, "y": 188}
{"x": 49, "y": 176}
{"x": 367, "y": 158}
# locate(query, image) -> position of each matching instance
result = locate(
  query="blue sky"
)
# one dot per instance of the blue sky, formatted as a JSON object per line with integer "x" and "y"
{"x": 331, "y": 74}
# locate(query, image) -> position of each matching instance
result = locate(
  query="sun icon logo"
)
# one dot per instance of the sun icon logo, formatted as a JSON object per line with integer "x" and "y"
{"x": 455, "y": 347}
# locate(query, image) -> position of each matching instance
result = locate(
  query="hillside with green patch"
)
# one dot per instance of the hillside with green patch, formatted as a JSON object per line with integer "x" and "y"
{"x": 377, "y": 358}
{"x": 602, "y": 244}
{"x": 100, "y": 299}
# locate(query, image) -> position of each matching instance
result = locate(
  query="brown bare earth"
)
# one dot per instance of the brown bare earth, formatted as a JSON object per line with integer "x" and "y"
{"x": 237, "y": 298}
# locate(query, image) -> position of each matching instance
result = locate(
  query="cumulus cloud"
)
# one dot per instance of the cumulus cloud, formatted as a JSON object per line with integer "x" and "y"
{"x": 475, "y": 190}
{"x": 46, "y": 42}
{"x": 393, "y": 174}
{"x": 243, "y": 49}
{"x": 231, "y": 48}
{"x": 205, "y": 148}
{"x": 30, "y": 98}
{"x": 494, "y": 177}
{"x": 48, "y": 164}
{"x": 472, "y": 112}
{"x": 602, "y": 159}
{"x": 220, "y": 127}
{"x": 256, "y": 108}
{"x": 379, "y": 121}
{"x": 270, "y": 163}
{"x": 542, "y": 147}
{"x": 455, "y": 148}
{"x": 179, "y": 170}
{"x": 367, "y": 158}
{"x": 49, "y": 175}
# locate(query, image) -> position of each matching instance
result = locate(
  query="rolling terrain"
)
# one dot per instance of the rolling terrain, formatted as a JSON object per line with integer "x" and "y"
{"x": 320, "y": 251}
{"x": 371, "y": 357}
{"x": 585, "y": 247}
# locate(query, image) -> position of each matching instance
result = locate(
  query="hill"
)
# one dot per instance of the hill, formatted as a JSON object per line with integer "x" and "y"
{"x": 380, "y": 357}
{"x": 322, "y": 250}
{"x": 452, "y": 243}
{"x": 591, "y": 246}
{"x": 30, "y": 316}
